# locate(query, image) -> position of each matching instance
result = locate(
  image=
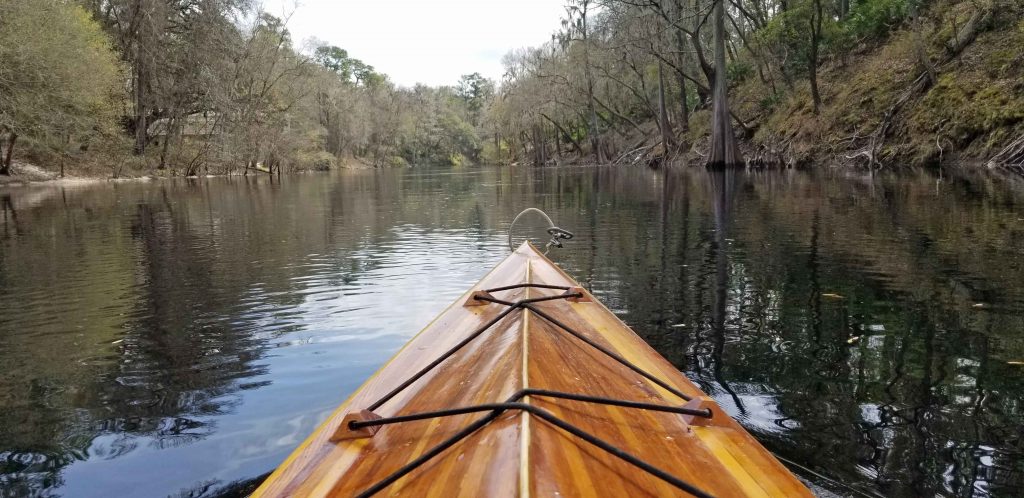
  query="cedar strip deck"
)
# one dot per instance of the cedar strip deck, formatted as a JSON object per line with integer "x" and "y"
{"x": 518, "y": 454}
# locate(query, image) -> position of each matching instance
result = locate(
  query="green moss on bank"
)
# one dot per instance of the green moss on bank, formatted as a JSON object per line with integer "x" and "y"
{"x": 975, "y": 107}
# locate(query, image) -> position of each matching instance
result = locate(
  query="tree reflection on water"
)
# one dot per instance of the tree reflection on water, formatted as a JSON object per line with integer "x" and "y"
{"x": 195, "y": 331}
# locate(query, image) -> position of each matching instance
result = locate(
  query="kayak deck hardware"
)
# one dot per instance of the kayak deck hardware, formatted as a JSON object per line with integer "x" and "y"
{"x": 365, "y": 423}
{"x": 557, "y": 234}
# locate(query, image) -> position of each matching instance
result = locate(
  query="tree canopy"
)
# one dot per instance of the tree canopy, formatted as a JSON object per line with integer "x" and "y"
{"x": 59, "y": 78}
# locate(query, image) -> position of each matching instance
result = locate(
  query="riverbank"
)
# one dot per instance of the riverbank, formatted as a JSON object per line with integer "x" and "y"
{"x": 945, "y": 88}
{"x": 30, "y": 174}
{"x": 24, "y": 174}
{"x": 948, "y": 90}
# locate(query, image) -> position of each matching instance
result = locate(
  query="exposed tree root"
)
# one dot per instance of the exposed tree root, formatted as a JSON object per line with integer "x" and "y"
{"x": 772, "y": 154}
{"x": 636, "y": 156}
{"x": 960, "y": 41}
{"x": 1011, "y": 157}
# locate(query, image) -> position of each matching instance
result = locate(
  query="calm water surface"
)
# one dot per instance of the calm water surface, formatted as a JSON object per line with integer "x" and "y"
{"x": 182, "y": 337}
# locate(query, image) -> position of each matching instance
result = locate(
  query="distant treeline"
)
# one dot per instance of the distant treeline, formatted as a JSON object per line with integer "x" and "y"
{"x": 209, "y": 86}
{"x": 217, "y": 85}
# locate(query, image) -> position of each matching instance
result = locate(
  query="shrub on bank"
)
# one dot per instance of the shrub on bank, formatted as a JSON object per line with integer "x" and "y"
{"x": 316, "y": 161}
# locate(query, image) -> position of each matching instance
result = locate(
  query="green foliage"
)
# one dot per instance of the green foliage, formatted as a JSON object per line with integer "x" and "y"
{"x": 317, "y": 161}
{"x": 349, "y": 69}
{"x": 739, "y": 71}
{"x": 59, "y": 77}
{"x": 769, "y": 101}
{"x": 436, "y": 133}
{"x": 788, "y": 35}
{"x": 457, "y": 160}
{"x": 494, "y": 154}
{"x": 873, "y": 19}
{"x": 962, "y": 109}
{"x": 475, "y": 91}
{"x": 274, "y": 28}
{"x": 334, "y": 59}
{"x": 260, "y": 99}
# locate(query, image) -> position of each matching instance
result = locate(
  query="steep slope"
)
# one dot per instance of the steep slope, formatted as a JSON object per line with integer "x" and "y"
{"x": 882, "y": 108}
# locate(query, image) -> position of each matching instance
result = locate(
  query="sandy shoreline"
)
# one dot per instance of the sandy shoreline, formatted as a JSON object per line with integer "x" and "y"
{"x": 30, "y": 175}
{"x": 27, "y": 174}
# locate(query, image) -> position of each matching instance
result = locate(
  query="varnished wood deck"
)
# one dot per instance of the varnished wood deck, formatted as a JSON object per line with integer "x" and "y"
{"x": 518, "y": 454}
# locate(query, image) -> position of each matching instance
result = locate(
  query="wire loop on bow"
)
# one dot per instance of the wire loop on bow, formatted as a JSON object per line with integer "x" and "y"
{"x": 557, "y": 234}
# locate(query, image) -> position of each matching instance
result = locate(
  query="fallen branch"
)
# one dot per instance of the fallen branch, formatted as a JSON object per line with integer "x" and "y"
{"x": 1011, "y": 157}
{"x": 638, "y": 152}
{"x": 575, "y": 144}
{"x": 866, "y": 154}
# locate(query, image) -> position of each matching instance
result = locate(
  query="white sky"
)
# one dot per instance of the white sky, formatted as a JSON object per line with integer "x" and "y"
{"x": 424, "y": 41}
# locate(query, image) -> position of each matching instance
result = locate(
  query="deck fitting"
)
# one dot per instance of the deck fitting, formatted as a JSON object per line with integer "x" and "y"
{"x": 584, "y": 296}
{"x": 345, "y": 431}
{"x": 701, "y": 403}
{"x": 474, "y": 299}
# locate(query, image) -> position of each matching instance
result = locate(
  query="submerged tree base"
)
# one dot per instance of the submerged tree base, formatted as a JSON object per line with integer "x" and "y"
{"x": 722, "y": 165}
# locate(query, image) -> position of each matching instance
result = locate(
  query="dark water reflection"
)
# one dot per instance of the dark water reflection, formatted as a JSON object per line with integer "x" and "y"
{"x": 175, "y": 338}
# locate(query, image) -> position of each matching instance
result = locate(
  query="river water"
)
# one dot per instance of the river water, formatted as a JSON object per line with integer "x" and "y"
{"x": 181, "y": 337}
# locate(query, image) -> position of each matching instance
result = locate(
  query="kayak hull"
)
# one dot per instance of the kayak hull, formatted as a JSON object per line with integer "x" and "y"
{"x": 519, "y": 452}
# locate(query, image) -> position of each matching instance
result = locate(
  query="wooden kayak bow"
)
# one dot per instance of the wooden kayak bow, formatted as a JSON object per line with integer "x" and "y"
{"x": 528, "y": 386}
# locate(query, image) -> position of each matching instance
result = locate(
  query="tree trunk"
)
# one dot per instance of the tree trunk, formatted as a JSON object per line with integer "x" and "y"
{"x": 812, "y": 61}
{"x": 575, "y": 144}
{"x": 698, "y": 48}
{"x": 966, "y": 35}
{"x": 558, "y": 144}
{"x": 666, "y": 128}
{"x": 815, "y": 95}
{"x": 64, "y": 152}
{"x": 592, "y": 133}
{"x": 140, "y": 106}
{"x": 168, "y": 136}
{"x": 538, "y": 144}
{"x": 543, "y": 144}
{"x": 919, "y": 46}
{"x": 684, "y": 108}
{"x": 525, "y": 140}
{"x": 5, "y": 161}
{"x": 724, "y": 149}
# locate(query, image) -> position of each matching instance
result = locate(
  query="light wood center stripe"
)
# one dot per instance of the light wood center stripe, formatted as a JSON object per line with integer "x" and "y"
{"x": 524, "y": 443}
